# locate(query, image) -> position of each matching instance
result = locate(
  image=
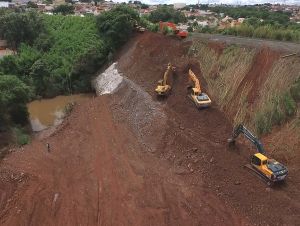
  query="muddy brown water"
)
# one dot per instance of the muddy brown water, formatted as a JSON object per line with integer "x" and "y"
{"x": 48, "y": 112}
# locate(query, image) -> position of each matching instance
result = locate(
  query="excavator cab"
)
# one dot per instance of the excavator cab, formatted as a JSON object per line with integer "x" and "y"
{"x": 200, "y": 99}
{"x": 163, "y": 88}
{"x": 270, "y": 168}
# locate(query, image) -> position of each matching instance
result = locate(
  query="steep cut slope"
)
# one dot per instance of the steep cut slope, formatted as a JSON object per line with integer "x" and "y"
{"x": 195, "y": 141}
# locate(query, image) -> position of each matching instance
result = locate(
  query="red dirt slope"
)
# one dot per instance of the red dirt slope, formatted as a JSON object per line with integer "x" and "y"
{"x": 196, "y": 141}
{"x": 98, "y": 174}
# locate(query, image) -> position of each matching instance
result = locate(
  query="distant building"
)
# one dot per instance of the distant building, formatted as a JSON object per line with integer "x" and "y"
{"x": 179, "y": 5}
{"x": 203, "y": 23}
{"x": 6, "y": 5}
{"x": 23, "y": 2}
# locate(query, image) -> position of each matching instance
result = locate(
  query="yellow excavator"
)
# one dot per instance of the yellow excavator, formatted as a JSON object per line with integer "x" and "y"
{"x": 163, "y": 88}
{"x": 200, "y": 99}
{"x": 268, "y": 169}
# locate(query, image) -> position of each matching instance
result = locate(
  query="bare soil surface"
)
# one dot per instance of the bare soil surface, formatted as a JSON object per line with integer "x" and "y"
{"x": 97, "y": 173}
{"x": 132, "y": 159}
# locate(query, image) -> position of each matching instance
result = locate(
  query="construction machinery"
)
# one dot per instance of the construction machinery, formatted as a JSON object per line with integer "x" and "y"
{"x": 268, "y": 169}
{"x": 200, "y": 99}
{"x": 163, "y": 88}
{"x": 168, "y": 25}
{"x": 139, "y": 28}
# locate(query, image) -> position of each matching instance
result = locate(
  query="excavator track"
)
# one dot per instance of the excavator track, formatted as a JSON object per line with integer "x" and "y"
{"x": 259, "y": 175}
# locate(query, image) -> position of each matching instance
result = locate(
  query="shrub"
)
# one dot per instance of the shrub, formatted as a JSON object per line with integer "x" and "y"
{"x": 262, "y": 123}
{"x": 289, "y": 103}
{"x": 116, "y": 25}
{"x": 20, "y": 135}
{"x": 295, "y": 91}
{"x": 277, "y": 113}
{"x": 14, "y": 95}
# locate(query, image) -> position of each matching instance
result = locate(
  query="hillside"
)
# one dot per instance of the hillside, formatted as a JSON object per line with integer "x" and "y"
{"x": 128, "y": 158}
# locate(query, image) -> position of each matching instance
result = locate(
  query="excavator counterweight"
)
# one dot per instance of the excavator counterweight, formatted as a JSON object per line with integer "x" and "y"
{"x": 269, "y": 169}
{"x": 200, "y": 99}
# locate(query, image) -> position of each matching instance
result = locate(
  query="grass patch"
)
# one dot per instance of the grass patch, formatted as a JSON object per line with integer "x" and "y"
{"x": 21, "y": 136}
{"x": 69, "y": 108}
{"x": 295, "y": 91}
{"x": 262, "y": 123}
{"x": 278, "y": 111}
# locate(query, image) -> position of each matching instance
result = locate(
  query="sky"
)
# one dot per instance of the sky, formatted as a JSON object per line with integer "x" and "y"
{"x": 232, "y": 2}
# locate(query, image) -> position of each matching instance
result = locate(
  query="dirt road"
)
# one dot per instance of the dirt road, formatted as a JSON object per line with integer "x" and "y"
{"x": 290, "y": 47}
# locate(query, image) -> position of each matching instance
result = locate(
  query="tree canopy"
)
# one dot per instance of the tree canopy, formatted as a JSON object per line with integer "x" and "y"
{"x": 117, "y": 25}
{"x": 64, "y": 9}
{"x": 167, "y": 14}
{"x": 14, "y": 95}
{"x": 20, "y": 27}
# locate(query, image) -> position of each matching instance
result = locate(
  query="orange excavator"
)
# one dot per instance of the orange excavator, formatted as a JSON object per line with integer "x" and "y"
{"x": 163, "y": 88}
{"x": 200, "y": 99}
{"x": 179, "y": 33}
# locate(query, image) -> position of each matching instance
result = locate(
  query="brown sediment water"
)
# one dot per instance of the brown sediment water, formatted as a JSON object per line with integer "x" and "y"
{"x": 48, "y": 112}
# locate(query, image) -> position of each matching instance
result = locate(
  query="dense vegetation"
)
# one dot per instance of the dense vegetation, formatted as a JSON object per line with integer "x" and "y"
{"x": 55, "y": 55}
{"x": 167, "y": 14}
{"x": 115, "y": 26}
{"x": 20, "y": 27}
{"x": 64, "y": 9}
{"x": 260, "y": 23}
{"x": 262, "y": 12}
{"x": 265, "y": 31}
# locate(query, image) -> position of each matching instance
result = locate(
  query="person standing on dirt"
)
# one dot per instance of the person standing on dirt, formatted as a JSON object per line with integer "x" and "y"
{"x": 48, "y": 147}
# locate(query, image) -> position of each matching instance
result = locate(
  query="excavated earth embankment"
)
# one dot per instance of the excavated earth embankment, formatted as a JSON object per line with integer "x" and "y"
{"x": 128, "y": 158}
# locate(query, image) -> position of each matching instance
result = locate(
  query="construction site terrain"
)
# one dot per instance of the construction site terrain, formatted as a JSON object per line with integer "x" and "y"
{"x": 127, "y": 157}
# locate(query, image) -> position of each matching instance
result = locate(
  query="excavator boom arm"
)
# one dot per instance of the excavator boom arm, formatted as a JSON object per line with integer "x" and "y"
{"x": 196, "y": 81}
{"x": 242, "y": 129}
{"x": 167, "y": 74}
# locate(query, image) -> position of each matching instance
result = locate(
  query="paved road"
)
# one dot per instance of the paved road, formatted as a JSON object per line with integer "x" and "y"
{"x": 251, "y": 42}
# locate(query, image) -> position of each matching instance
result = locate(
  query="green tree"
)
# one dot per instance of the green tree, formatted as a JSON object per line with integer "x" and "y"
{"x": 64, "y": 9}
{"x": 167, "y": 14}
{"x": 116, "y": 25}
{"x": 21, "y": 27}
{"x": 144, "y": 6}
{"x": 32, "y": 5}
{"x": 190, "y": 29}
{"x": 48, "y": 2}
{"x": 14, "y": 95}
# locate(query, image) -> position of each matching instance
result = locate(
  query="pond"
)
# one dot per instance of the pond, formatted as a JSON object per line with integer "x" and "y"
{"x": 50, "y": 112}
